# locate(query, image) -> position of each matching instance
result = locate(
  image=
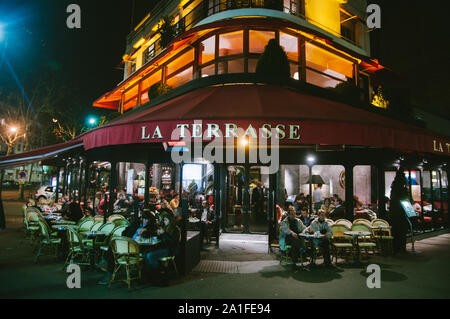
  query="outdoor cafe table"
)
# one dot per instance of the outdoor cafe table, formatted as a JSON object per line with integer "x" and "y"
{"x": 310, "y": 239}
{"x": 147, "y": 244}
{"x": 356, "y": 235}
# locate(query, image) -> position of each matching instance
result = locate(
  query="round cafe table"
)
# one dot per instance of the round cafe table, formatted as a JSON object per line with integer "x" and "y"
{"x": 356, "y": 235}
{"x": 147, "y": 244}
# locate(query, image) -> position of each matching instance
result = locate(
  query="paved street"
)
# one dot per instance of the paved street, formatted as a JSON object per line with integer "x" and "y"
{"x": 425, "y": 275}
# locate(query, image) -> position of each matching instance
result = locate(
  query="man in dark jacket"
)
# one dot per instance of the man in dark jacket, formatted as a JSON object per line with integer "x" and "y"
{"x": 338, "y": 211}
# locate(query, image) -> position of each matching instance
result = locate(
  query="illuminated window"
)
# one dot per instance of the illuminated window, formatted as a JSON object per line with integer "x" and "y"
{"x": 259, "y": 40}
{"x": 180, "y": 78}
{"x": 289, "y": 43}
{"x": 208, "y": 70}
{"x": 290, "y": 6}
{"x": 294, "y": 71}
{"x": 208, "y": 50}
{"x": 231, "y": 66}
{"x": 147, "y": 83}
{"x": 252, "y": 63}
{"x": 180, "y": 62}
{"x": 328, "y": 63}
{"x": 149, "y": 53}
{"x": 131, "y": 66}
{"x": 231, "y": 43}
{"x": 192, "y": 173}
{"x": 348, "y": 26}
{"x": 333, "y": 69}
{"x": 131, "y": 93}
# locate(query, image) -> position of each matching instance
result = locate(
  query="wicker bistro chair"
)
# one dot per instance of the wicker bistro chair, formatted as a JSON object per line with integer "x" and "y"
{"x": 344, "y": 222}
{"x": 79, "y": 250}
{"x": 120, "y": 222}
{"x": 85, "y": 225}
{"x": 46, "y": 241}
{"x": 126, "y": 255}
{"x": 113, "y": 217}
{"x": 286, "y": 255}
{"x": 383, "y": 236}
{"x": 341, "y": 244}
{"x": 365, "y": 243}
{"x": 32, "y": 229}
{"x": 362, "y": 221}
{"x": 379, "y": 222}
{"x": 329, "y": 221}
{"x": 170, "y": 260}
{"x": 117, "y": 232}
{"x": 101, "y": 244}
{"x": 96, "y": 226}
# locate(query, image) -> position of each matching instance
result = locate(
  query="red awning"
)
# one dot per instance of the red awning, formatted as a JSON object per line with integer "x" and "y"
{"x": 321, "y": 120}
{"x": 39, "y": 154}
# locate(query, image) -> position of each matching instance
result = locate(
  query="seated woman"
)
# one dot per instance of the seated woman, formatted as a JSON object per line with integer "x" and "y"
{"x": 168, "y": 234}
{"x": 327, "y": 207}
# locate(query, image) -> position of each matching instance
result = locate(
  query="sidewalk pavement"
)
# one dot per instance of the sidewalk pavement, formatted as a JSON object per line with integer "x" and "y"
{"x": 425, "y": 275}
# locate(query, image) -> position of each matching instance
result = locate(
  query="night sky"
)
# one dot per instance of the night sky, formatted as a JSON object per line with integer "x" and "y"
{"x": 412, "y": 41}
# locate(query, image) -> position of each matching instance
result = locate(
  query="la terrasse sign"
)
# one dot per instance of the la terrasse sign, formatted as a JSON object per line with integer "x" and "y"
{"x": 209, "y": 131}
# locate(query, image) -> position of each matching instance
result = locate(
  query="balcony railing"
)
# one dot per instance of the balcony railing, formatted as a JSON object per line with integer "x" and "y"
{"x": 207, "y": 8}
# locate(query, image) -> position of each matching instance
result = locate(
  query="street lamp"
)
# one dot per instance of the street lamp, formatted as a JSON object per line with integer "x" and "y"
{"x": 13, "y": 129}
{"x": 310, "y": 159}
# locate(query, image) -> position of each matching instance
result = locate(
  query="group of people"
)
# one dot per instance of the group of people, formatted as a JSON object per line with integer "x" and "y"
{"x": 332, "y": 207}
{"x": 159, "y": 222}
{"x": 292, "y": 228}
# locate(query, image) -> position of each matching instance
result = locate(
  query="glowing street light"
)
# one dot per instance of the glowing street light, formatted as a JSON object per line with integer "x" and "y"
{"x": 92, "y": 121}
{"x": 13, "y": 129}
{"x": 311, "y": 159}
{"x": 244, "y": 141}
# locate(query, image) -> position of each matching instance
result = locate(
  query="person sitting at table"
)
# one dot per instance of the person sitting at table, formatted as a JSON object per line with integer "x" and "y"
{"x": 207, "y": 219}
{"x": 319, "y": 225}
{"x": 73, "y": 212}
{"x": 338, "y": 210}
{"x": 299, "y": 203}
{"x": 291, "y": 227}
{"x": 327, "y": 206}
{"x": 305, "y": 218}
{"x": 149, "y": 225}
{"x": 357, "y": 204}
{"x": 168, "y": 234}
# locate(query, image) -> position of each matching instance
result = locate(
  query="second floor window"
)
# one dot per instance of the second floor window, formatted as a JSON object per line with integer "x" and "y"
{"x": 131, "y": 66}
{"x": 348, "y": 26}
{"x": 149, "y": 53}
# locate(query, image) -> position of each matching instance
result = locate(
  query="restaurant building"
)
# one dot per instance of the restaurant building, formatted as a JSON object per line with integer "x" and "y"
{"x": 208, "y": 59}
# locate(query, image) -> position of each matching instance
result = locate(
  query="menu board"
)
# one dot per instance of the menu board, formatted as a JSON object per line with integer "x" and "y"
{"x": 407, "y": 207}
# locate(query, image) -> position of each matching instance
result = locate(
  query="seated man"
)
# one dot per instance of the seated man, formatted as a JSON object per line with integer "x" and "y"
{"x": 207, "y": 219}
{"x": 338, "y": 211}
{"x": 72, "y": 212}
{"x": 319, "y": 225}
{"x": 291, "y": 227}
{"x": 169, "y": 235}
{"x": 305, "y": 218}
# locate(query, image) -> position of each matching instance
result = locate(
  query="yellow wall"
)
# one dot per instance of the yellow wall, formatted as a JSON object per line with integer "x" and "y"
{"x": 324, "y": 13}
